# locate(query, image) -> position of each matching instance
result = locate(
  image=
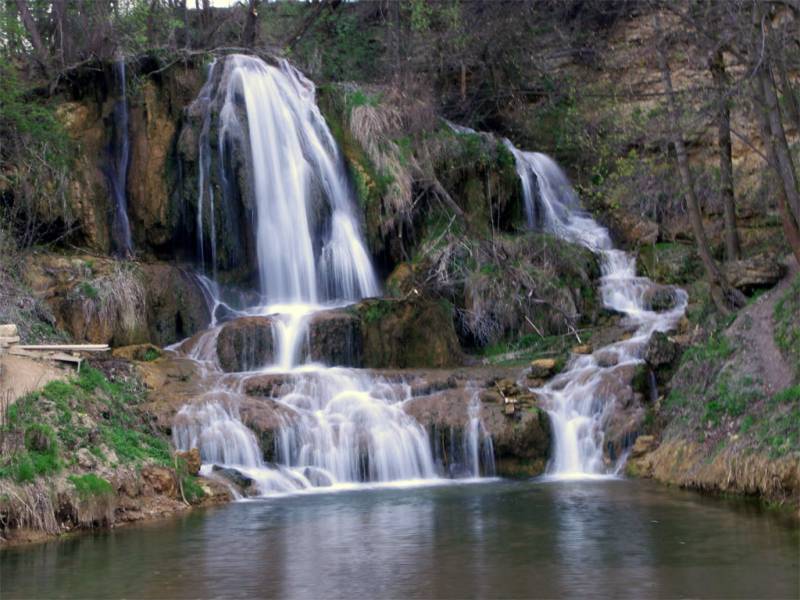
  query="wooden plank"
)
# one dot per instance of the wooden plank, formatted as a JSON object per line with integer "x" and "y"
{"x": 65, "y": 347}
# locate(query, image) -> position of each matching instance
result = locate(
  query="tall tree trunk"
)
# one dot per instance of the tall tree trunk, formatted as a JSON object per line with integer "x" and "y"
{"x": 251, "y": 26}
{"x": 724, "y": 296}
{"x": 791, "y": 226}
{"x": 723, "y": 117}
{"x": 783, "y": 156}
{"x": 33, "y": 33}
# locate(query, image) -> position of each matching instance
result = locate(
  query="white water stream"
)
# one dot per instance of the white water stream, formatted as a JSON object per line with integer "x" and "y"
{"x": 338, "y": 427}
{"x": 579, "y": 406}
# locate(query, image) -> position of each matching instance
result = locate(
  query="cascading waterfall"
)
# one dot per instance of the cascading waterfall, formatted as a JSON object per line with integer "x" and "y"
{"x": 338, "y": 426}
{"x": 117, "y": 171}
{"x": 577, "y": 408}
{"x": 308, "y": 242}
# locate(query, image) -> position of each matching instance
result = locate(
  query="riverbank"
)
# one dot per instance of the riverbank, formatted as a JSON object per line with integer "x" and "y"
{"x": 80, "y": 454}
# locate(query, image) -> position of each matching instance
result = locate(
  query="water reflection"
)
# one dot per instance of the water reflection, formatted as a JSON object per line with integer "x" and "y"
{"x": 616, "y": 539}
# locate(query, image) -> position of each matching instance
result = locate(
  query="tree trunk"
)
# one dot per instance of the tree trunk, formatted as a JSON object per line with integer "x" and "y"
{"x": 251, "y": 26}
{"x": 723, "y": 117}
{"x": 791, "y": 226}
{"x": 783, "y": 156}
{"x": 306, "y": 24}
{"x": 724, "y": 296}
{"x": 33, "y": 32}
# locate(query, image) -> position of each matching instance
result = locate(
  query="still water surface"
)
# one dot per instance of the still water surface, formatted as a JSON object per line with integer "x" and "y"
{"x": 621, "y": 539}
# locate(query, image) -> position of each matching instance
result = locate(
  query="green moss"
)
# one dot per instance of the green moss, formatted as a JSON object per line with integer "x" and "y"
{"x": 90, "y": 485}
{"x": 151, "y": 354}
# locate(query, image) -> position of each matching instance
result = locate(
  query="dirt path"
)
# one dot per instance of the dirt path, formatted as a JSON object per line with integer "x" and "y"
{"x": 755, "y": 327}
{"x": 20, "y": 375}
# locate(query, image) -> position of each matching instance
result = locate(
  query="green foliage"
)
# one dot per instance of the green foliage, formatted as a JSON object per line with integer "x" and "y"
{"x": 135, "y": 446}
{"x": 30, "y": 122}
{"x": 151, "y": 354}
{"x": 90, "y": 485}
{"x": 55, "y": 417}
{"x": 88, "y": 290}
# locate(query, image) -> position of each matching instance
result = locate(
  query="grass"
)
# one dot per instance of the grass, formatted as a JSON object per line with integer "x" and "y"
{"x": 89, "y": 411}
{"x": 716, "y": 348}
{"x": 729, "y": 398}
{"x": 90, "y": 485}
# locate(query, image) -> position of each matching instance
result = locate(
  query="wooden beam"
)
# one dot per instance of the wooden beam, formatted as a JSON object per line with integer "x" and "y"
{"x": 66, "y": 347}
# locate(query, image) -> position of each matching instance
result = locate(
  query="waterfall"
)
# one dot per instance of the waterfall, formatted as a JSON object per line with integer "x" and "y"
{"x": 117, "y": 171}
{"x": 308, "y": 241}
{"x": 478, "y": 443}
{"x": 337, "y": 426}
{"x": 578, "y": 410}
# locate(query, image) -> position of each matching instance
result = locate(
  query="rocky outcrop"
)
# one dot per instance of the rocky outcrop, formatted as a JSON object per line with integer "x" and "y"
{"x": 373, "y": 334}
{"x": 754, "y": 273}
{"x": 521, "y": 439}
{"x": 335, "y": 338}
{"x": 245, "y": 344}
{"x": 100, "y": 300}
{"x": 413, "y": 332}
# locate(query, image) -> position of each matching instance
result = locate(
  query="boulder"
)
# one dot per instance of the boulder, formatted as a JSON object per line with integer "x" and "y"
{"x": 753, "y": 273}
{"x": 335, "y": 338}
{"x": 542, "y": 368}
{"x": 160, "y": 479}
{"x": 643, "y": 445}
{"x": 245, "y": 344}
{"x": 192, "y": 460}
{"x": 661, "y": 350}
{"x": 243, "y": 482}
{"x": 104, "y": 301}
{"x": 176, "y": 304}
{"x": 317, "y": 477}
{"x": 138, "y": 352}
{"x": 659, "y": 298}
{"x": 582, "y": 349}
{"x": 412, "y": 332}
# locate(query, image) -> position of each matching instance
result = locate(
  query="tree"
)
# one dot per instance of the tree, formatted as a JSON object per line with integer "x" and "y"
{"x": 725, "y": 297}
{"x": 723, "y": 118}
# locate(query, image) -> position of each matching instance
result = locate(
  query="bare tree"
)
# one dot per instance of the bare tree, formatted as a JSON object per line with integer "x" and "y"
{"x": 723, "y": 118}
{"x": 725, "y": 297}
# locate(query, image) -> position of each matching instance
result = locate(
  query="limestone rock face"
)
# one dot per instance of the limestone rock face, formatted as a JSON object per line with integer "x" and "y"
{"x": 407, "y": 333}
{"x": 152, "y": 134}
{"x": 161, "y": 479}
{"x": 192, "y": 460}
{"x": 246, "y": 344}
{"x": 103, "y": 301}
{"x": 334, "y": 338}
{"x": 88, "y": 187}
{"x": 753, "y": 273}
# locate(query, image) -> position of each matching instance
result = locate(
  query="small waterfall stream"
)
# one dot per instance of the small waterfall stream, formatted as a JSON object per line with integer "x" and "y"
{"x": 578, "y": 410}
{"x": 117, "y": 170}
